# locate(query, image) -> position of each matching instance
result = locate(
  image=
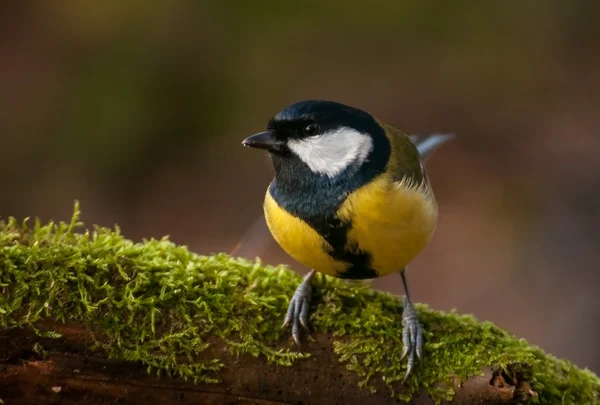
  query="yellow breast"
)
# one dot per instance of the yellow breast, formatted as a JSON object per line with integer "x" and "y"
{"x": 391, "y": 221}
{"x": 299, "y": 240}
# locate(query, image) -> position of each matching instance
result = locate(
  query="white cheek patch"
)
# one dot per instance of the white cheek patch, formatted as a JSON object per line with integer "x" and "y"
{"x": 332, "y": 152}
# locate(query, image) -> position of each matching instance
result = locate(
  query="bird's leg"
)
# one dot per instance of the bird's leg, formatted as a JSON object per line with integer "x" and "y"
{"x": 412, "y": 334}
{"x": 297, "y": 312}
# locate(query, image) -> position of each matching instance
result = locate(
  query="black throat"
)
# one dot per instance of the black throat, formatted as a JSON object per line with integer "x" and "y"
{"x": 316, "y": 198}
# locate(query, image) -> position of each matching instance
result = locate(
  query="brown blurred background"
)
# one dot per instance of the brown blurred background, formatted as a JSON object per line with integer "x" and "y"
{"x": 138, "y": 109}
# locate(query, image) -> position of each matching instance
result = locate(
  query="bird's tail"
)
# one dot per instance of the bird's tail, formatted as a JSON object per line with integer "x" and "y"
{"x": 427, "y": 144}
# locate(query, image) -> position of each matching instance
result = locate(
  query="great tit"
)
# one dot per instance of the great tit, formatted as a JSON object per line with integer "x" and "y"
{"x": 350, "y": 199}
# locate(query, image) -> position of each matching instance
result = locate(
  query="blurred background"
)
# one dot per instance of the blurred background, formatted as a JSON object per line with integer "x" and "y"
{"x": 138, "y": 109}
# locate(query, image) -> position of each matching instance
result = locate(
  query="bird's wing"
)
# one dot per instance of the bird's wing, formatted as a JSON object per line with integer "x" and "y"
{"x": 427, "y": 144}
{"x": 404, "y": 161}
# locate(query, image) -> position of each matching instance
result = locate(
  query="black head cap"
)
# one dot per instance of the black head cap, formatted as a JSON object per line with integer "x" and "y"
{"x": 314, "y": 117}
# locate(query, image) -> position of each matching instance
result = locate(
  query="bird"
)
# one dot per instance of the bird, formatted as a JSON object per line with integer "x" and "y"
{"x": 350, "y": 198}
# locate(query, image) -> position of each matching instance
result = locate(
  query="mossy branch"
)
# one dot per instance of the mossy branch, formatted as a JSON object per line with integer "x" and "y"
{"x": 85, "y": 317}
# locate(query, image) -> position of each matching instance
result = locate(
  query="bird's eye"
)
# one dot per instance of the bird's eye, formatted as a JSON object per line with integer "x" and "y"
{"x": 311, "y": 129}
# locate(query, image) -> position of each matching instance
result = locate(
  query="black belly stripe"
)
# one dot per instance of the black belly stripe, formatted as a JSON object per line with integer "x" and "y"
{"x": 321, "y": 215}
{"x": 358, "y": 273}
{"x": 335, "y": 232}
{"x": 324, "y": 220}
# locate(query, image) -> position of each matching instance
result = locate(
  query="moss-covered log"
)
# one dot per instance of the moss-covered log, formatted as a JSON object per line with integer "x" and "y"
{"x": 65, "y": 371}
{"x": 92, "y": 317}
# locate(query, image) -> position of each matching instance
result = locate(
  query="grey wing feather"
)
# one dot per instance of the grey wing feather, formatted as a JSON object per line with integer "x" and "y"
{"x": 427, "y": 144}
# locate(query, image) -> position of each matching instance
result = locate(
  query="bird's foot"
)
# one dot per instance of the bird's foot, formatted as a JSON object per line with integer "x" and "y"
{"x": 297, "y": 313}
{"x": 412, "y": 336}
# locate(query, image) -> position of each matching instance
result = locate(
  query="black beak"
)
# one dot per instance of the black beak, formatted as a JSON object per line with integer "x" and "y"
{"x": 265, "y": 140}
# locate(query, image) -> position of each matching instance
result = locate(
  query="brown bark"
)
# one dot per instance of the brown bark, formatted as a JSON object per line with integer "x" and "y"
{"x": 68, "y": 374}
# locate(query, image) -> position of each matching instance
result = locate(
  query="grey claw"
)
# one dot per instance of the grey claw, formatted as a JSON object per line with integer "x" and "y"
{"x": 304, "y": 315}
{"x": 297, "y": 313}
{"x": 296, "y": 338}
{"x": 409, "y": 367}
{"x": 289, "y": 314}
{"x": 296, "y": 332}
{"x": 405, "y": 342}
{"x": 419, "y": 343}
{"x": 412, "y": 337}
{"x": 410, "y": 364}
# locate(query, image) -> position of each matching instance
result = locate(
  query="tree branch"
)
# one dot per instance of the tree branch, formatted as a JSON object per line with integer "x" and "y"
{"x": 67, "y": 373}
{"x": 84, "y": 318}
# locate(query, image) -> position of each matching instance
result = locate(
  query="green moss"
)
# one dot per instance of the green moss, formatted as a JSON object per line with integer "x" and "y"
{"x": 163, "y": 305}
